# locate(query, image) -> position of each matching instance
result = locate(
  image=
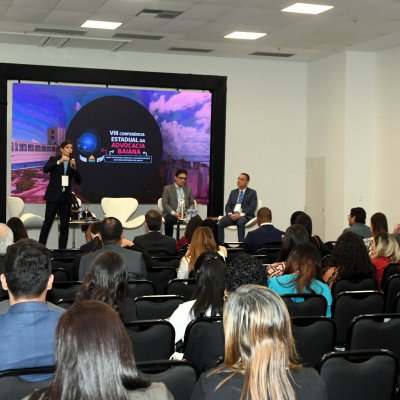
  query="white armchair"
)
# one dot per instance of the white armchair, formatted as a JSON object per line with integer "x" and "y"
{"x": 16, "y": 206}
{"x": 122, "y": 208}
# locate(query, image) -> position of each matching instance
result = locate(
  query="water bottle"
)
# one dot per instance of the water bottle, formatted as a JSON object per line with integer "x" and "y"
{"x": 80, "y": 214}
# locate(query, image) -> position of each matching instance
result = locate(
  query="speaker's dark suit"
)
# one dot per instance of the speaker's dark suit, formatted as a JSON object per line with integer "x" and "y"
{"x": 264, "y": 234}
{"x": 58, "y": 200}
{"x": 249, "y": 205}
{"x": 157, "y": 243}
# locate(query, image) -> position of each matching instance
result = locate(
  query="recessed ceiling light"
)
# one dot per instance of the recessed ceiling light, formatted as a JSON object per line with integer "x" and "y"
{"x": 101, "y": 24}
{"x": 305, "y": 8}
{"x": 245, "y": 35}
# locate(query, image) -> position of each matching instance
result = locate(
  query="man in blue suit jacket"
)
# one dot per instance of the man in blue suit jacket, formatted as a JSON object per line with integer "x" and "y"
{"x": 266, "y": 233}
{"x": 241, "y": 205}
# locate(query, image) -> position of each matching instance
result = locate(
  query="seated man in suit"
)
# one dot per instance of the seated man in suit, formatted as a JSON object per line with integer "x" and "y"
{"x": 28, "y": 327}
{"x": 241, "y": 206}
{"x": 111, "y": 234}
{"x": 173, "y": 196}
{"x": 266, "y": 233}
{"x": 154, "y": 242}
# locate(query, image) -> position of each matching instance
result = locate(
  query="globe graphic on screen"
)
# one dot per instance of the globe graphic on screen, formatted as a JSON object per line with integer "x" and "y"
{"x": 88, "y": 142}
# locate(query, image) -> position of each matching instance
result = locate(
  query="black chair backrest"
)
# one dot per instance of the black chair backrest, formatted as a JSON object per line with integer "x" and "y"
{"x": 65, "y": 303}
{"x": 182, "y": 287}
{"x": 359, "y": 374}
{"x": 307, "y": 304}
{"x": 391, "y": 291}
{"x": 349, "y": 305}
{"x": 160, "y": 276}
{"x": 152, "y": 339}
{"x": 204, "y": 342}
{"x": 66, "y": 253}
{"x": 60, "y": 275}
{"x": 12, "y": 387}
{"x": 67, "y": 263}
{"x": 179, "y": 376}
{"x": 270, "y": 250}
{"x": 396, "y": 305}
{"x": 157, "y": 306}
{"x": 137, "y": 287}
{"x": 157, "y": 259}
{"x": 63, "y": 290}
{"x": 375, "y": 331}
{"x": 344, "y": 285}
{"x": 314, "y": 336}
{"x": 391, "y": 269}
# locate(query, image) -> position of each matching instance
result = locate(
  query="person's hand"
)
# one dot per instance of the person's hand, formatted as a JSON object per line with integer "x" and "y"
{"x": 62, "y": 159}
{"x": 235, "y": 217}
{"x": 188, "y": 251}
{"x": 177, "y": 215}
{"x": 126, "y": 243}
{"x": 72, "y": 163}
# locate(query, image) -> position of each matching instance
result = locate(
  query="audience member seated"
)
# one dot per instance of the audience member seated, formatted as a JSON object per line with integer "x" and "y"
{"x": 191, "y": 226}
{"x": 349, "y": 260}
{"x": 294, "y": 216}
{"x": 378, "y": 224}
{"x": 111, "y": 234}
{"x": 384, "y": 251}
{"x": 154, "y": 242}
{"x": 202, "y": 241}
{"x": 305, "y": 220}
{"x": 107, "y": 281}
{"x": 95, "y": 359}
{"x": 208, "y": 298}
{"x": 6, "y": 239}
{"x": 28, "y": 328}
{"x": 213, "y": 225}
{"x": 95, "y": 242}
{"x": 300, "y": 275}
{"x": 357, "y": 225}
{"x": 242, "y": 270}
{"x": 266, "y": 233}
{"x": 396, "y": 233}
{"x": 18, "y": 229}
{"x": 260, "y": 355}
{"x": 293, "y": 236}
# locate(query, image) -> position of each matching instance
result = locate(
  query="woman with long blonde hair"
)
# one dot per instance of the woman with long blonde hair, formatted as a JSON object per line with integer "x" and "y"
{"x": 260, "y": 355}
{"x": 202, "y": 241}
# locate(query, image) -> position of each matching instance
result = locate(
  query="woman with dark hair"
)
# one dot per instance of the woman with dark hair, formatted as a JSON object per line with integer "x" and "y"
{"x": 294, "y": 216}
{"x": 301, "y": 275}
{"x": 213, "y": 225}
{"x": 294, "y": 235}
{"x": 191, "y": 226}
{"x": 208, "y": 298}
{"x": 349, "y": 260}
{"x": 18, "y": 229}
{"x": 379, "y": 224}
{"x": 305, "y": 220}
{"x": 260, "y": 359}
{"x": 384, "y": 251}
{"x": 107, "y": 281}
{"x": 95, "y": 359}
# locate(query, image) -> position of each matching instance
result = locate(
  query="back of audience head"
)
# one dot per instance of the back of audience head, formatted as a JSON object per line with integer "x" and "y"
{"x": 304, "y": 220}
{"x": 379, "y": 223}
{"x": 244, "y": 269}
{"x": 294, "y": 216}
{"x": 94, "y": 356}
{"x": 259, "y": 343}
{"x": 304, "y": 261}
{"x": 264, "y": 214}
{"x": 6, "y": 238}
{"x": 202, "y": 240}
{"x": 18, "y": 229}
{"x": 359, "y": 214}
{"x": 95, "y": 232}
{"x": 107, "y": 280}
{"x": 350, "y": 258}
{"x": 191, "y": 226}
{"x": 27, "y": 269}
{"x": 153, "y": 220}
{"x": 294, "y": 235}
{"x": 213, "y": 226}
{"x": 111, "y": 230}
{"x": 385, "y": 245}
{"x": 210, "y": 287}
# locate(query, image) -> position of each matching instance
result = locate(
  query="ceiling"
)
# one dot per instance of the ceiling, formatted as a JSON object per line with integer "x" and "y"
{"x": 198, "y": 26}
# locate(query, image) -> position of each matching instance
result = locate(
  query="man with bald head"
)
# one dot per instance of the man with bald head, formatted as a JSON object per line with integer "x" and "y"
{"x": 266, "y": 233}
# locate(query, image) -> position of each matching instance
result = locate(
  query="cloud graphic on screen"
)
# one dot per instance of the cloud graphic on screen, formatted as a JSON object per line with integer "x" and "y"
{"x": 178, "y": 101}
{"x": 203, "y": 116}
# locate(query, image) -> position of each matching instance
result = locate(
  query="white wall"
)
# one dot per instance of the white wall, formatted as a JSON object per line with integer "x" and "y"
{"x": 266, "y": 115}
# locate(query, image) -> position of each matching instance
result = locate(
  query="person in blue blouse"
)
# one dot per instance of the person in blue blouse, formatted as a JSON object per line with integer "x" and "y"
{"x": 300, "y": 275}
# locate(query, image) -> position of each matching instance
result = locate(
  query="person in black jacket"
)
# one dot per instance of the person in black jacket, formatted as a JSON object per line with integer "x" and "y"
{"x": 62, "y": 169}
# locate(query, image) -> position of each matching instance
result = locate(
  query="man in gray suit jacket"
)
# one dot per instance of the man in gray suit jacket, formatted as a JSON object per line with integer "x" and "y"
{"x": 111, "y": 235}
{"x": 172, "y": 197}
{"x": 240, "y": 207}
